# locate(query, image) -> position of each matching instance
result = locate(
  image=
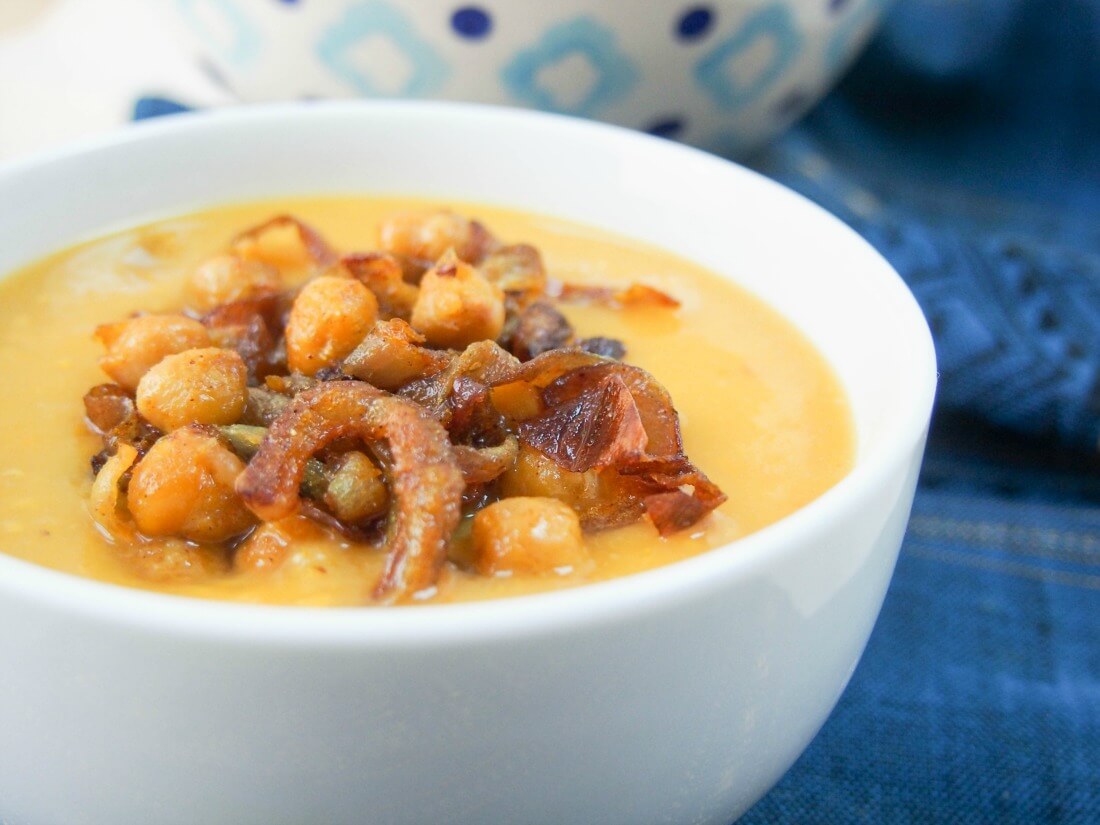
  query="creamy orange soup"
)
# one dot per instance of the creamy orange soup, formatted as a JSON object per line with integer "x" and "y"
{"x": 761, "y": 412}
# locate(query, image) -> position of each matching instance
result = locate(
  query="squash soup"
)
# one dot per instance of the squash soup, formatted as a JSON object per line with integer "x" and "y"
{"x": 366, "y": 401}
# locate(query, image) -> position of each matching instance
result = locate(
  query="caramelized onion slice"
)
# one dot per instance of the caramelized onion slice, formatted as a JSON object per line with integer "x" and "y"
{"x": 602, "y": 498}
{"x": 670, "y": 507}
{"x": 107, "y": 406}
{"x": 548, "y": 367}
{"x": 635, "y": 295}
{"x": 383, "y": 275}
{"x": 538, "y": 328}
{"x": 485, "y": 362}
{"x": 251, "y": 326}
{"x": 658, "y": 415}
{"x": 674, "y": 511}
{"x": 599, "y": 426}
{"x": 516, "y": 269}
{"x": 589, "y": 423}
{"x": 316, "y": 247}
{"x": 488, "y": 363}
{"x": 105, "y": 501}
{"x": 424, "y": 478}
{"x": 112, "y": 414}
{"x": 481, "y": 465}
{"x": 606, "y": 347}
{"x": 392, "y": 355}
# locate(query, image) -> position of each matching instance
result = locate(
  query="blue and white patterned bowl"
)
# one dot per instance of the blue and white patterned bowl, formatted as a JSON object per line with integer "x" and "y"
{"x": 726, "y": 75}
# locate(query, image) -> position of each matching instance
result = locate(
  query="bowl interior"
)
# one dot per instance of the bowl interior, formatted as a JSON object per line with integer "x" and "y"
{"x": 803, "y": 262}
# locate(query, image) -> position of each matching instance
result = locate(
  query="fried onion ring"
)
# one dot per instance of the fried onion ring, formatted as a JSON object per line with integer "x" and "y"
{"x": 484, "y": 464}
{"x": 423, "y": 475}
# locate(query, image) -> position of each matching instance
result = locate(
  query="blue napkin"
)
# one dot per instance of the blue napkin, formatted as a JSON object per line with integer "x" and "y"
{"x": 966, "y": 148}
{"x": 965, "y": 145}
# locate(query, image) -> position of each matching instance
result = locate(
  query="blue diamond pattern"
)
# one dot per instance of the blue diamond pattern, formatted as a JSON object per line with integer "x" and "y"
{"x": 375, "y": 18}
{"x": 245, "y": 43}
{"x": 715, "y": 75}
{"x": 616, "y": 74}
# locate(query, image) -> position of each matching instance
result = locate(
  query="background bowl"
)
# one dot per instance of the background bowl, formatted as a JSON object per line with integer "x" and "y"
{"x": 725, "y": 75}
{"x": 676, "y": 695}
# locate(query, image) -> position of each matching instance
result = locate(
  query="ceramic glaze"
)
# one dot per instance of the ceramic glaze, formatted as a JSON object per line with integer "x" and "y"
{"x": 724, "y": 75}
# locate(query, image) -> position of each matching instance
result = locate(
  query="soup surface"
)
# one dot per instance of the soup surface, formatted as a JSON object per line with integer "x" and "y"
{"x": 761, "y": 413}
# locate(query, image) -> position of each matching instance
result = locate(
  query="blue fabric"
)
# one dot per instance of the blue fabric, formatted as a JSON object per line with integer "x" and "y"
{"x": 965, "y": 145}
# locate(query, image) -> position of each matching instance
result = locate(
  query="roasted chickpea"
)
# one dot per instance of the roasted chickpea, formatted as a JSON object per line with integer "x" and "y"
{"x": 534, "y": 474}
{"x": 599, "y": 497}
{"x": 457, "y": 306}
{"x": 330, "y": 316}
{"x": 227, "y": 278}
{"x": 531, "y": 536}
{"x": 270, "y": 544}
{"x": 199, "y": 386}
{"x": 427, "y": 235}
{"x": 135, "y": 345}
{"x": 356, "y": 491}
{"x": 184, "y": 487}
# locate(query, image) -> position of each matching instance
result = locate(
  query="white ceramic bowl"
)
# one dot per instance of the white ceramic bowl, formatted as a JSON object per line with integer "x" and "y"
{"x": 677, "y": 695}
{"x": 724, "y": 74}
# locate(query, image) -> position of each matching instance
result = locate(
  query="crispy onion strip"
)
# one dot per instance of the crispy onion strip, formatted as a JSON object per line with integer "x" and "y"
{"x": 251, "y": 326}
{"x": 588, "y": 423}
{"x": 392, "y": 355}
{"x": 539, "y": 327}
{"x": 481, "y": 465}
{"x": 106, "y": 406}
{"x": 599, "y": 427}
{"x": 635, "y": 295}
{"x": 105, "y": 501}
{"x": 546, "y": 368}
{"x": 314, "y": 243}
{"x": 382, "y": 275}
{"x": 662, "y": 424}
{"x": 424, "y": 477}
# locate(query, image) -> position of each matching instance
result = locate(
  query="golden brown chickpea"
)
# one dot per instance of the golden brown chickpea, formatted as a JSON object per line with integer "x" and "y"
{"x": 265, "y": 549}
{"x": 457, "y": 306}
{"x": 356, "y": 491}
{"x": 532, "y": 536}
{"x": 599, "y": 497}
{"x": 330, "y": 316}
{"x": 227, "y": 278}
{"x": 184, "y": 487}
{"x": 534, "y": 474}
{"x": 427, "y": 235}
{"x": 199, "y": 386}
{"x": 135, "y": 345}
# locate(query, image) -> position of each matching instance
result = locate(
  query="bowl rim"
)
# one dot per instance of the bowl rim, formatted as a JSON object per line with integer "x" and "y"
{"x": 500, "y": 619}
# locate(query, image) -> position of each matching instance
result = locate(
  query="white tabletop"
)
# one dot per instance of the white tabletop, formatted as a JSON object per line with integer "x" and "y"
{"x": 69, "y": 68}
